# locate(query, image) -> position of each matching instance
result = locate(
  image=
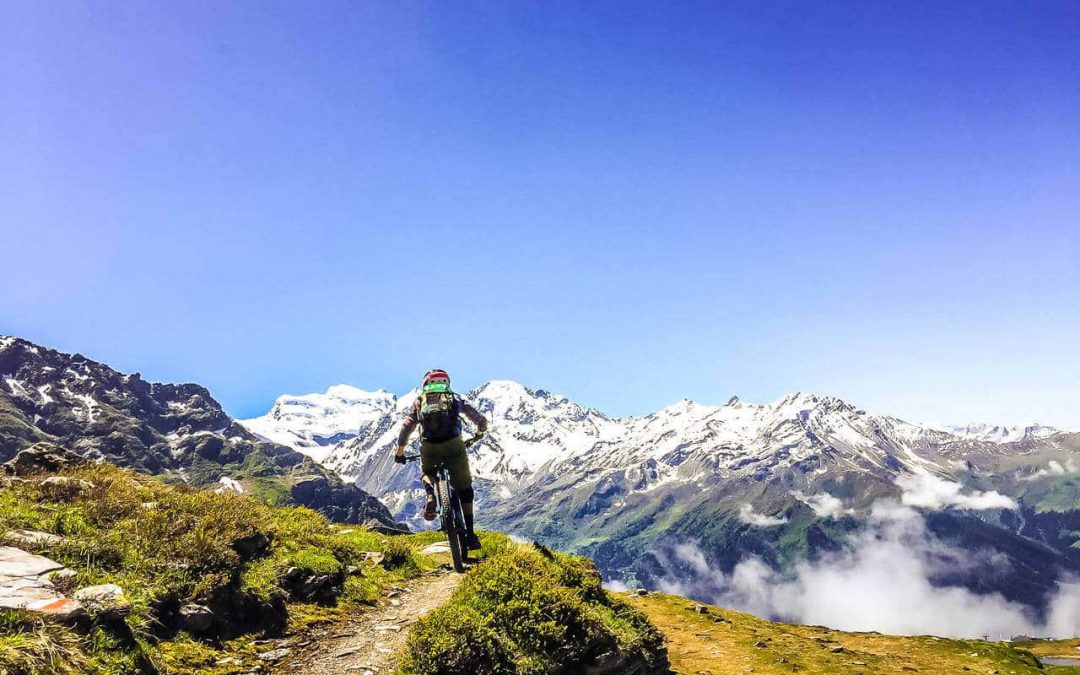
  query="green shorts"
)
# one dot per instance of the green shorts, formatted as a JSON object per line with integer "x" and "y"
{"x": 452, "y": 453}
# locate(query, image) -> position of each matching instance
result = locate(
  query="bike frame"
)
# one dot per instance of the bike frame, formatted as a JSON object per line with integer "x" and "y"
{"x": 451, "y": 515}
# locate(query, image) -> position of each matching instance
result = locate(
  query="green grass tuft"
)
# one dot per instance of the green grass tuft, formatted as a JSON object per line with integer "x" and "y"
{"x": 525, "y": 611}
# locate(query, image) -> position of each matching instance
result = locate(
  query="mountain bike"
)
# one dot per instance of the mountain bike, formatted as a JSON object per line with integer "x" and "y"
{"x": 451, "y": 517}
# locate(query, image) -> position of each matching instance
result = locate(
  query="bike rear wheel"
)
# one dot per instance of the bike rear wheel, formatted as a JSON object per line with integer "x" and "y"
{"x": 452, "y": 528}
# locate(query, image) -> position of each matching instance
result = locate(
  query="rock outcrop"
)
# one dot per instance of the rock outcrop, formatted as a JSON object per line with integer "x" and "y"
{"x": 42, "y": 458}
{"x": 25, "y": 585}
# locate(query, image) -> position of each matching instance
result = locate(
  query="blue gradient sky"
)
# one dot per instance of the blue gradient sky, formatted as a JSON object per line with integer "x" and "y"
{"x": 627, "y": 203}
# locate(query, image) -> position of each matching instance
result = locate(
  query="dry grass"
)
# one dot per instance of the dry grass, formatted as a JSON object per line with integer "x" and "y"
{"x": 1069, "y": 649}
{"x": 724, "y": 641}
{"x": 33, "y": 648}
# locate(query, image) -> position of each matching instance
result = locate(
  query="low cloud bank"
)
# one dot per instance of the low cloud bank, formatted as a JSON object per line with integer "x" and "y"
{"x": 881, "y": 583}
{"x": 823, "y": 504}
{"x": 747, "y": 515}
{"x": 928, "y": 491}
{"x": 1055, "y": 468}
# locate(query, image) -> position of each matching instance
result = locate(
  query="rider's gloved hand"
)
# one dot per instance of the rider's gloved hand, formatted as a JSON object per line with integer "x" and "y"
{"x": 399, "y": 454}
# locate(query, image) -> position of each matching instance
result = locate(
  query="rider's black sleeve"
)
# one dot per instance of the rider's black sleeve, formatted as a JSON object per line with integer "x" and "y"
{"x": 474, "y": 415}
{"x": 411, "y": 420}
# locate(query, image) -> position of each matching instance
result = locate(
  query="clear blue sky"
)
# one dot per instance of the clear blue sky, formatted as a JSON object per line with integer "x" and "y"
{"x": 625, "y": 202}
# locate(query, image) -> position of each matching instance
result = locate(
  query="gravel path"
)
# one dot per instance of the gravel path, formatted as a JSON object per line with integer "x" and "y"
{"x": 368, "y": 643}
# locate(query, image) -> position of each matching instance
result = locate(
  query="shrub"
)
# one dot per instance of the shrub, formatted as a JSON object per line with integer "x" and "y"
{"x": 525, "y": 610}
{"x": 464, "y": 643}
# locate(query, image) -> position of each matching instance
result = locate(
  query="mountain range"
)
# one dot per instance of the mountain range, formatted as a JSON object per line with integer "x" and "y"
{"x": 783, "y": 483}
{"x": 177, "y": 431}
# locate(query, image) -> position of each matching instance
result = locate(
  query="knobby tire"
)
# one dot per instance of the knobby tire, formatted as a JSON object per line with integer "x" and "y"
{"x": 453, "y": 531}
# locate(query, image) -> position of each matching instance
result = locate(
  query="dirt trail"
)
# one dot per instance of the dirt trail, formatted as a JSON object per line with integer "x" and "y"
{"x": 368, "y": 643}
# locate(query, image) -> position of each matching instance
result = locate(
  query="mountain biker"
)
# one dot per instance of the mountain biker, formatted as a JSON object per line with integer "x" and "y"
{"x": 438, "y": 411}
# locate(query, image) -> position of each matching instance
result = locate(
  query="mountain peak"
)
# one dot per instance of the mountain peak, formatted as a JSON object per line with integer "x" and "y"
{"x": 808, "y": 400}
{"x": 685, "y": 405}
{"x": 348, "y": 392}
{"x": 504, "y": 388}
{"x": 313, "y": 423}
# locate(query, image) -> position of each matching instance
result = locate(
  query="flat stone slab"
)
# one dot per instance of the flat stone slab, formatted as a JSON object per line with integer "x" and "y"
{"x": 15, "y": 562}
{"x": 437, "y": 547}
{"x": 25, "y": 585}
{"x": 32, "y": 537}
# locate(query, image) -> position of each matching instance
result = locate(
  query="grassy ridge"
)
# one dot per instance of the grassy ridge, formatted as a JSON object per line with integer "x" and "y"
{"x": 722, "y": 641}
{"x": 167, "y": 546}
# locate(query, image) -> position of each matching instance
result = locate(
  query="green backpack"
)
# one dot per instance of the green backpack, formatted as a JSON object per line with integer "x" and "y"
{"x": 439, "y": 413}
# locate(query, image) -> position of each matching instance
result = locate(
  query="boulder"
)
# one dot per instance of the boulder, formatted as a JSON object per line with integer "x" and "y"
{"x": 436, "y": 548}
{"x": 372, "y": 558}
{"x": 25, "y": 585}
{"x": 307, "y": 585}
{"x": 107, "y": 601}
{"x": 382, "y": 528}
{"x": 252, "y": 545}
{"x": 7, "y": 482}
{"x": 42, "y": 458}
{"x": 64, "y": 487}
{"x": 196, "y": 618}
{"x": 31, "y": 538}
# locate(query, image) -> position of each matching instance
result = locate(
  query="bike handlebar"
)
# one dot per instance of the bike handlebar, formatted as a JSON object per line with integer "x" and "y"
{"x": 468, "y": 443}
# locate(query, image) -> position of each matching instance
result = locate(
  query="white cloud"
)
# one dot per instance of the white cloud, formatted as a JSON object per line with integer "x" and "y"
{"x": 925, "y": 490}
{"x": 747, "y": 515}
{"x": 1055, "y": 468}
{"x": 1064, "y": 616}
{"x": 882, "y": 583}
{"x": 823, "y": 504}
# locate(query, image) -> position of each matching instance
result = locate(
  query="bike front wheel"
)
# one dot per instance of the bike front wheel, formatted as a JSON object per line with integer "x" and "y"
{"x": 452, "y": 528}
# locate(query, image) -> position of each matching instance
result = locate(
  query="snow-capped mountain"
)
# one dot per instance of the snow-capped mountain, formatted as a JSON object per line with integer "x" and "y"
{"x": 314, "y": 423}
{"x": 995, "y": 433}
{"x": 537, "y": 436}
{"x": 776, "y": 480}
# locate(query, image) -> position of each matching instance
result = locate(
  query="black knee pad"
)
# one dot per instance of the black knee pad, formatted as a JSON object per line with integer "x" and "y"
{"x": 465, "y": 494}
